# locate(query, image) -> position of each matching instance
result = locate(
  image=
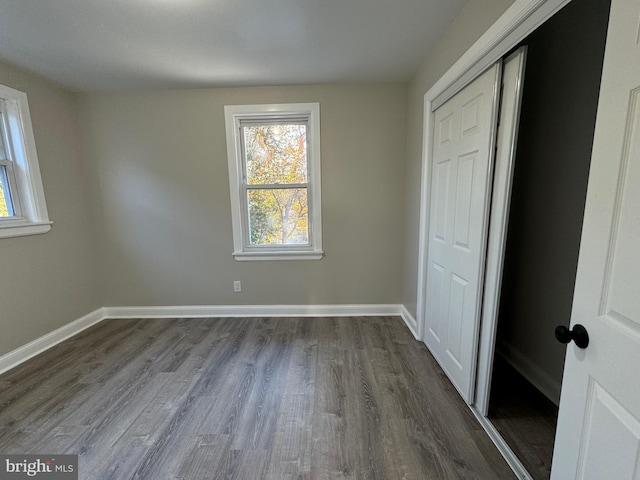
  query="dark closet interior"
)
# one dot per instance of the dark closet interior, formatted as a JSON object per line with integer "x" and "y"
{"x": 557, "y": 120}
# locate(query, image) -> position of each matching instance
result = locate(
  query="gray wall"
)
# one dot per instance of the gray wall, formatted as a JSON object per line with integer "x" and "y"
{"x": 154, "y": 165}
{"x": 474, "y": 19}
{"x": 49, "y": 280}
{"x": 160, "y": 181}
{"x": 562, "y": 81}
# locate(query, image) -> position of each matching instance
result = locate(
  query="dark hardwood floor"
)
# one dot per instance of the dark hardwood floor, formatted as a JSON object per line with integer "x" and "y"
{"x": 525, "y": 418}
{"x": 249, "y": 399}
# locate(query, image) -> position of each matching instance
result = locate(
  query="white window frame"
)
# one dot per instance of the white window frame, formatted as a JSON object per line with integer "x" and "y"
{"x": 234, "y": 115}
{"x": 27, "y": 194}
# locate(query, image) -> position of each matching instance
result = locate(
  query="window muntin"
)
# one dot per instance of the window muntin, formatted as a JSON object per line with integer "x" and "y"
{"x": 274, "y": 175}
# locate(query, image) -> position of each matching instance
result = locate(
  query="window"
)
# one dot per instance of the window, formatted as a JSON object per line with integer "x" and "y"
{"x": 274, "y": 174}
{"x": 22, "y": 206}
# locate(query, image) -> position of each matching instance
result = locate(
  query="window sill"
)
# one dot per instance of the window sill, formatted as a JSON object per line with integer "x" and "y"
{"x": 24, "y": 229}
{"x": 264, "y": 256}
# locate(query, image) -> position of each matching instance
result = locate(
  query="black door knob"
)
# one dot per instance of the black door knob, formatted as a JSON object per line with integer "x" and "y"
{"x": 579, "y": 335}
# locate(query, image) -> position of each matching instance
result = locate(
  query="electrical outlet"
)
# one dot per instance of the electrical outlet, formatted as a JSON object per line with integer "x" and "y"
{"x": 237, "y": 286}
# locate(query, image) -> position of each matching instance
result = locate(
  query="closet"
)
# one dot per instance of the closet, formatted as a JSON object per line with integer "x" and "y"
{"x": 531, "y": 216}
{"x": 552, "y": 158}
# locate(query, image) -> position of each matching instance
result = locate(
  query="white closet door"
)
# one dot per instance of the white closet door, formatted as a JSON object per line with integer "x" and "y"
{"x": 463, "y": 143}
{"x": 512, "y": 86}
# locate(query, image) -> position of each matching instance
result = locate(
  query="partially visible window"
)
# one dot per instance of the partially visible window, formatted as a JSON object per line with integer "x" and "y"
{"x": 274, "y": 172}
{"x": 8, "y": 206}
{"x": 23, "y": 210}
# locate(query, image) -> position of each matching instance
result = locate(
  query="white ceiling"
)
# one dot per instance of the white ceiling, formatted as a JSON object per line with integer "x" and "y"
{"x": 102, "y": 45}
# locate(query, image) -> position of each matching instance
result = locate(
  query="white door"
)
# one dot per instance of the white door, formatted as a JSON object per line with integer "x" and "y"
{"x": 598, "y": 435}
{"x": 506, "y": 142}
{"x": 464, "y": 138}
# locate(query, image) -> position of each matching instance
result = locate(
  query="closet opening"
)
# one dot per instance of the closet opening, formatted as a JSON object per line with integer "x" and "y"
{"x": 552, "y": 158}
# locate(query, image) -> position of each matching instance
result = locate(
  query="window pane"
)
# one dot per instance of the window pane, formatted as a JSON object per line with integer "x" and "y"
{"x": 3, "y": 126}
{"x": 6, "y": 209}
{"x": 3, "y": 150}
{"x": 276, "y": 154}
{"x": 278, "y": 216}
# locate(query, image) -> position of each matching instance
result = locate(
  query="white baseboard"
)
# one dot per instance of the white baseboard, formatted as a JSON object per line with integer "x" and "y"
{"x": 39, "y": 345}
{"x": 197, "y": 311}
{"x": 410, "y": 321}
{"x": 531, "y": 371}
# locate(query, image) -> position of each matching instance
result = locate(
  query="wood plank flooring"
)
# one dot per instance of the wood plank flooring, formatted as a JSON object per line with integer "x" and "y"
{"x": 249, "y": 399}
{"x": 525, "y": 418}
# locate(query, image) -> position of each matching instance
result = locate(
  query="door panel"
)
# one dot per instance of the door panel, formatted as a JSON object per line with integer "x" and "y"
{"x": 456, "y": 318}
{"x": 470, "y": 120}
{"x": 441, "y": 197}
{"x": 598, "y": 432}
{"x": 437, "y": 300}
{"x": 624, "y": 298}
{"x": 607, "y": 418}
{"x": 462, "y": 166}
{"x": 464, "y": 189}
